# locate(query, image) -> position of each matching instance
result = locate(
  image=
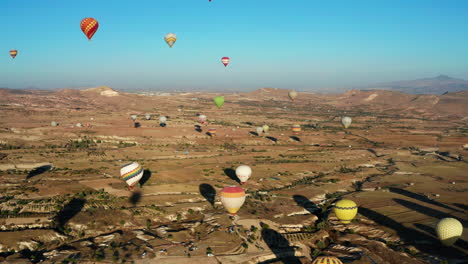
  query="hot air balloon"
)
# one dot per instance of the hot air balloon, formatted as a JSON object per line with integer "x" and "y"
{"x": 296, "y": 129}
{"x": 327, "y": 260}
{"x": 202, "y": 119}
{"x": 148, "y": 116}
{"x": 292, "y": 95}
{"x": 212, "y": 131}
{"x": 265, "y": 128}
{"x": 89, "y": 26}
{"x": 232, "y": 198}
{"x": 243, "y": 172}
{"x": 225, "y": 61}
{"x": 170, "y": 39}
{"x": 13, "y": 53}
{"x": 131, "y": 173}
{"x": 133, "y": 117}
{"x": 346, "y": 121}
{"x": 162, "y": 121}
{"x": 449, "y": 230}
{"x": 54, "y": 124}
{"x": 259, "y": 130}
{"x": 345, "y": 210}
{"x": 219, "y": 101}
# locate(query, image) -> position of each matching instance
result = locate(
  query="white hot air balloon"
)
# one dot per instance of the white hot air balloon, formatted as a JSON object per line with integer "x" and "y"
{"x": 133, "y": 117}
{"x": 243, "y": 172}
{"x": 449, "y": 230}
{"x": 170, "y": 39}
{"x": 202, "y": 119}
{"x": 148, "y": 116}
{"x": 259, "y": 130}
{"x": 292, "y": 95}
{"x": 131, "y": 173}
{"x": 54, "y": 124}
{"x": 346, "y": 121}
{"x": 162, "y": 119}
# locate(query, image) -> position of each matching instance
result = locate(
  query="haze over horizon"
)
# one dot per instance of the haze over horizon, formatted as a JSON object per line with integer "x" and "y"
{"x": 304, "y": 45}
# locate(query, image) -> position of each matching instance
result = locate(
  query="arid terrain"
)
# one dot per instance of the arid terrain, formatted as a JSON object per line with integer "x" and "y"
{"x": 403, "y": 161}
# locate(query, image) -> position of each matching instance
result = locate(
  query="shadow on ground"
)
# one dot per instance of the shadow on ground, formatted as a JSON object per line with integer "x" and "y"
{"x": 135, "y": 198}
{"x": 280, "y": 247}
{"x": 231, "y": 173}
{"x": 208, "y": 192}
{"x": 38, "y": 171}
{"x": 71, "y": 209}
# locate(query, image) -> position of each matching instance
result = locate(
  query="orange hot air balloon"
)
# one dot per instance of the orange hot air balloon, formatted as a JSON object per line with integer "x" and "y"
{"x": 13, "y": 53}
{"x": 89, "y": 26}
{"x": 296, "y": 129}
{"x": 212, "y": 131}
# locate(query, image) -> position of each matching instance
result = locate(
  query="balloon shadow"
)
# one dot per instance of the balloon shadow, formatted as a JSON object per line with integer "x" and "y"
{"x": 420, "y": 197}
{"x": 210, "y": 134}
{"x": 426, "y": 210}
{"x": 137, "y": 124}
{"x": 208, "y": 192}
{"x": 249, "y": 123}
{"x": 231, "y": 174}
{"x": 375, "y": 153}
{"x": 135, "y": 198}
{"x": 295, "y": 138}
{"x": 198, "y": 128}
{"x": 279, "y": 246}
{"x": 162, "y": 124}
{"x": 306, "y": 203}
{"x": 411, "y": 235}
{"x": 38, "y": 171}
{"x": 272, "y": 139}
{"x": 253, "y": 133}
{"x": 146, "y": 176}
{"x": 71, "y": 209}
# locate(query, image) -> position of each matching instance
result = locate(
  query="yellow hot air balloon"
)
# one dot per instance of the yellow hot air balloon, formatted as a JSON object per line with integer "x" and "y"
{"x": 292, "y": 95}
{"x": 265, "y": 128}
{"x": 327, "y": 260}
{"x": 449, "y": 230}
{"x": 170, "y": 39}
{"x": 345, "y": 210}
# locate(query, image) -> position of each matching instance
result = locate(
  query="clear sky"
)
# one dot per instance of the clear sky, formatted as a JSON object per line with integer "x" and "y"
{"x": 297, "y": 44}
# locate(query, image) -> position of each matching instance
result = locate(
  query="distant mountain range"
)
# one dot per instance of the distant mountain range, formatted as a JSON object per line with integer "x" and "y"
{"x": 438, "y": 85}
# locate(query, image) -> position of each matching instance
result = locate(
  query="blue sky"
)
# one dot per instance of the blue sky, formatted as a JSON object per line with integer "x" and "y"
{"x": 293, "y": 44}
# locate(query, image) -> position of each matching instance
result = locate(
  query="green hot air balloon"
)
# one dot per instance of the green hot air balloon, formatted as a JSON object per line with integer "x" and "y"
{"x": 219, "y": 101}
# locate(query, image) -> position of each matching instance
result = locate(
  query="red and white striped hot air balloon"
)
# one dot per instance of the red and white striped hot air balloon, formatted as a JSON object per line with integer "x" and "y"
{"x": 232, "y": 198}
{"x": 89, "y": 26}
{"x": 225, "y": 61}
{"x": 131, "y": 173}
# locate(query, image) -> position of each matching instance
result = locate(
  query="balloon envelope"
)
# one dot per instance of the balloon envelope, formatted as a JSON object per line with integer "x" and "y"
{"x": 148, "y": 116}
{"x": 243, "y": 172}
{"x": 162, "y": 119}
{"x": 89, "y": 26}
{"x": 345, "y": 210}
{"x": 296, "y": 129}
{"x": 202, "y": 118}
{"x": 265, "y": 128}
{"x": 131, "y": 173}
{"x": 449, "y": 230}
{"x": 219, "y": 101}
{"x": 292, "y": 95}
{"x": 346, "y": 121}
{"x": 170, "y": 39}
{"x": 327, "y": 260}
{"x": 133, "y": 117}
{"x": 232, "y": 198}
{"x": 259, "y": 130}
{"x": 13, "y": 53}
{"x": 225, "y": 61}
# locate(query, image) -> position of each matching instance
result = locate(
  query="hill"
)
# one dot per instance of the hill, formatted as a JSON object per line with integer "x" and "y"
{"x": 437, "y": 85}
